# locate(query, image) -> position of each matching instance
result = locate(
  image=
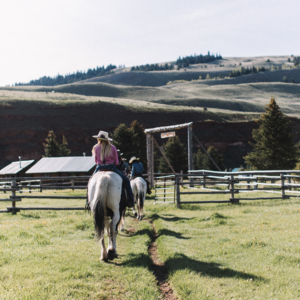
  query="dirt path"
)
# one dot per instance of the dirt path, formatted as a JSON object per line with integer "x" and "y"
{"x": 159, "y": 269}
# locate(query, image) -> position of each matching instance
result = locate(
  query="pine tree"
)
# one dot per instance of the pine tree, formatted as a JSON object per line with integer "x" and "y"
{"x": 123, "y": 140}
{"x": 51, "y": 147}
{"x": 200, "y": 160}
{"x": 176, "y": 155}
{"x": 139, "y": 142}
{"x": 64, "y": 151}
{"x": 217, "y": 157}
{"x": 274, "y": 148}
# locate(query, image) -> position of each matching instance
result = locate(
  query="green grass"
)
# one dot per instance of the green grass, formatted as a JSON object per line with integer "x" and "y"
{"x": 212, "y": 251}
{"x": 53, "y": 255}
{"x": 225, "y": 251}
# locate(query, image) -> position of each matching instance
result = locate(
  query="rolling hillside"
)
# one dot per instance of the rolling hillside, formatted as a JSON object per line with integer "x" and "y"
{"x": 79, "y": 110}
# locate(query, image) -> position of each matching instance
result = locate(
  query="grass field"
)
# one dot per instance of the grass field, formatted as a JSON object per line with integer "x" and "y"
{"x": 212, "y": 251}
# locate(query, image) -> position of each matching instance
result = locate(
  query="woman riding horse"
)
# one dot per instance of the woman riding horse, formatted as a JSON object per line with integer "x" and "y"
{"x": 106, "y": 158}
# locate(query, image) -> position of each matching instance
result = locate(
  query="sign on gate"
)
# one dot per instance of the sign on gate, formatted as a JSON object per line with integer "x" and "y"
{"x": 164, "y": 135}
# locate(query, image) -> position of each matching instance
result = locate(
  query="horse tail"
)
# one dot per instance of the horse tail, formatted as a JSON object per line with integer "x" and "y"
{"x": 99, "y": 207}
{"x": 141, "y": 196}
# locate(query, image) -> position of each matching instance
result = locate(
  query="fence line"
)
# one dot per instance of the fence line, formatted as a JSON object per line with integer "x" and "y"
{"x": 234, "y": 181}
{"x": 24, "y": 184}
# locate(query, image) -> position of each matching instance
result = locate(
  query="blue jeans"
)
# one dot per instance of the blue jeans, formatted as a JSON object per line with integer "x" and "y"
{"x": 113, "y": 168}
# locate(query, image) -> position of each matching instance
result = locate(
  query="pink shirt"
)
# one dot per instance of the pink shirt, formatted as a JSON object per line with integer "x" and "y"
{"x": 112, "y": 159}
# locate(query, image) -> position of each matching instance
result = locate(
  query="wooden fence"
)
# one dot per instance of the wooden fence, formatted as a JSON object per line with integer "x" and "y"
{"x": 167, "y": 187}
{"x": 20, "y": 188}
{"x": 204, "y": 182}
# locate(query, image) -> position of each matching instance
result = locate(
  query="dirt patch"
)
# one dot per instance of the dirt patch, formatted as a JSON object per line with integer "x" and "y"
{"x": 159, "y": 269}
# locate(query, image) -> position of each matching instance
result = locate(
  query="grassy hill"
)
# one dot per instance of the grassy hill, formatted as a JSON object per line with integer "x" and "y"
{"x": 79, "y": 110}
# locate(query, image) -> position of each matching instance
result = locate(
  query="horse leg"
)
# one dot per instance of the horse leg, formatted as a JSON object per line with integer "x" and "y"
{"x": 137, "y": 206}
{"x": 112, "y": 251}
{"x": 102, "y": 242}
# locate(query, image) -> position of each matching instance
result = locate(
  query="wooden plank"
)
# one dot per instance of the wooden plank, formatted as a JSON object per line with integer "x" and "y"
{"x": 199, "y": 202}
{"x": 166, "y": 128}
{"x": 45, "y": 208}
{"x": 268, "y": 198}
{"x": 54, "y": 197}
{"x": 169, "y": 134}
{"x": 10, "y": 200}
{"x": 221, "y": 192}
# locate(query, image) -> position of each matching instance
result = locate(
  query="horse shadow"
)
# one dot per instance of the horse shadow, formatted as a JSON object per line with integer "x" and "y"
{"x": 167, "y": 219}
{"x": 161, "y": 232}
{"x": 181, "y": 262}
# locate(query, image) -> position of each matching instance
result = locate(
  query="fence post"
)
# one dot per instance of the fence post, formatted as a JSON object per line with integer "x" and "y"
{"x": 282, "y": 186}
{"x": 289, "y": 180}
{"x": 72, "y": 183}
{"x": 232, "y": 190}
{"x": 165, "y": 189}
{"x": 13, "y": 195}
{"x": 177, "y": 180}
{"x": 29, "y": 187}
{"x": 203, "y": 180}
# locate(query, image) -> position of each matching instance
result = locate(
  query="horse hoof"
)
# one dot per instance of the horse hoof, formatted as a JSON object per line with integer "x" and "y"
{"x": 111, "y": 254}
{"x": 135, "y": 214}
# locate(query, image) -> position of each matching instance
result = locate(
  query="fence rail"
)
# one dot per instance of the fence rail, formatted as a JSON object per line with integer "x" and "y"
{"x": 210, "y": 182}
{"x": 25, "y": 184}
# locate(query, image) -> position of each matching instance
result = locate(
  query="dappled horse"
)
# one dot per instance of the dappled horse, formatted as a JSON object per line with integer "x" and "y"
{"x": 104, "y": 196}
{"x": 139, "y": 190}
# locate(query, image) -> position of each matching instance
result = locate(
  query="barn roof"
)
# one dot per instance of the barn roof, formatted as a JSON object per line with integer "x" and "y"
{"x": 68, "y": 164}
{"x": 14, "y": 167}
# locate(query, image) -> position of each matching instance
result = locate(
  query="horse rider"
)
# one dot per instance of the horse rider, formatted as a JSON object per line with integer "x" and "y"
{"x": 106, "y": 157}
{"x": 137, "y": 170}
{"x": 121, "y": 166}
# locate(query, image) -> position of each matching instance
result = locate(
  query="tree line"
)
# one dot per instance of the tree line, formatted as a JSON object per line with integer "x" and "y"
{"x": 248, "y": 70}
{"x": 196, "y": 59}
{"x": 70, "y": 78}
{"x": 153, "y": 67}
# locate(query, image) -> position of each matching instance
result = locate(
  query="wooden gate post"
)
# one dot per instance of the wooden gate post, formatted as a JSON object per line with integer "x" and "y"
{"x": 150, "y": 159}
{"x": 190, "y": 152}
{"x": 177, "y": 181}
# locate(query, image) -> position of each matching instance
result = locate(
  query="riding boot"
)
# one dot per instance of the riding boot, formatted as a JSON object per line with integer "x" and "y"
{"x": 148, "y": 188}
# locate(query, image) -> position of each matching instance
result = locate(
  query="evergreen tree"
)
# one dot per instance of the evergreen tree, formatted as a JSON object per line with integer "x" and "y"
{"x": 51, "y": 147}
{"x": 139, "y": 142}
{"x": 64, "y": 151}
{"x": 200, "y": 160}
{"x": 176, "y": 155}
{"x": 217, "y": 157}
{"x": 123, "y": 140}
{"x": 274, "y": 148}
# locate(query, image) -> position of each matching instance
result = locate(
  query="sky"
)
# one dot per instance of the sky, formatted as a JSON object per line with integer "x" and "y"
{"x": 50, "y": 37}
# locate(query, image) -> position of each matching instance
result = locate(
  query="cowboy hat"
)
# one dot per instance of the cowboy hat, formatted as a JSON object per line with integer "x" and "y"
{"x": 132, "y": 159}
{"x": 102, "y": 135}
{"x": 119, "y": 152}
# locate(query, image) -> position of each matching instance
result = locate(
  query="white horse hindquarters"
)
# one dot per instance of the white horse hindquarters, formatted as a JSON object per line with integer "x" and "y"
{"x": 104, "y": 192}
{"x": 139, "y": 189}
